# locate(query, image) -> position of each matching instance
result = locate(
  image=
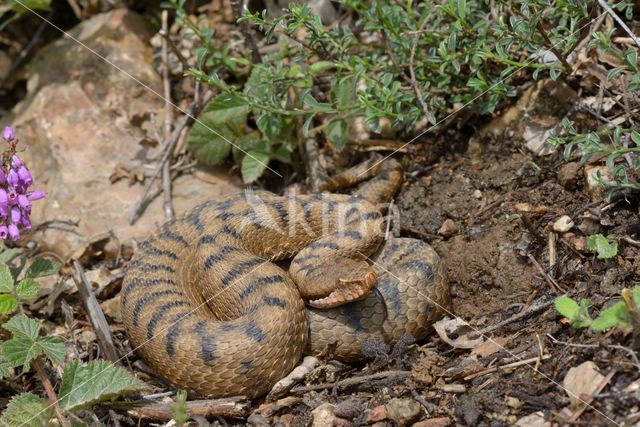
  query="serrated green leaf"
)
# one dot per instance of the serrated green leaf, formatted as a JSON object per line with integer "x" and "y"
{"x": 253, "y": 165}
{"x": 6, "y": 280}
{"x": 23, "y": 326}
{"x": 16, "y": 270}
{"x": 337, "y": 133}
{"x": 42, "y": 267}
{"x": 6, "y": 368}
{"x": 26, "y": 344}
{"x": 84, "y": 385}
{"x": 27, "y": 288}
{"x": 269, "y": 124}
{"x": 8, "y": 303}
{"x": 616, "y": 315}
{"x": 9, "y": 254}
{"x": 26, "y": 409}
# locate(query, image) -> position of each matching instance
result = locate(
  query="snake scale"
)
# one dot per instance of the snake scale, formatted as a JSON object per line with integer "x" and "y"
{"x": 207, "y": 304}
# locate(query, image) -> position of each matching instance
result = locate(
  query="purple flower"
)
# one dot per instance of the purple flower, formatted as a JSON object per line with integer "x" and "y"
{"x": 8, "y": 134}
{"x": 25, "y": 176}
{"x": 23, "y": 202}
{"x": 3, "y": 177}
{"x": 12, "y": 197}
{"x": 16, "y": 162}
{"x": 14, "y": 233}
{"x": 3, "y": 197}
{"x": 36, "y": 195}
{"x": 4, "y": 211}
{"x": 12, "y": 178}
{"x": 25, "y": 222}
{"x": 3, "y": 232}
{"x": 15, "y": 215}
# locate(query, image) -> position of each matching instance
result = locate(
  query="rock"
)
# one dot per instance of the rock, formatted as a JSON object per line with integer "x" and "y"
{"x": 257, "y": 420}
{"x": 589, "y": 225}
{"x": 568, "y": 175}
{"x": 581, "y": 380}
{"x": 348, "y": 409}
{"x": 595, "y": 176}
{"x": 403, "y": 411}
{"x": 376, "y": 414}
{"x": 522, "y": 207}
{"x": 448, "y": 228}
{"x": 324, "y": 415}
{"x": 563, "y": 224}
{"x": 513, "y": 402}
{"x": 433, "y": 422}
{"x": 477, "y": 194}
{"x": 66, "y": 123}
{"x": 533, "y": 420}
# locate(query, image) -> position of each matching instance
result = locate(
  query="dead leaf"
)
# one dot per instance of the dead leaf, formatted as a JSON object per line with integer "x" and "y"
{"x": 491, "y": 346}
{"x": 581, "y": 380}
{"x": 448, "y": 327}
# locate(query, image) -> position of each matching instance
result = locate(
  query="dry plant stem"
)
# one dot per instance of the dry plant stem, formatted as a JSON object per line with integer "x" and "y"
{"x": 388, "y": 377}
{"x": 552, "y": 47}
{"x": 523, "y": 314}
{"x": 168, "y": 119}
{"x": 620, "y": 22}
{"x": 95, "y": 313}
{"x": 507, "y": 366}
{"x": 412, "y": 73}
{"x": 48, "y": 388}
{"x": 546, "y": 277}
{"x": 76, "y": 9}
{"x": 168, "y": 151}
{"x": 311, "y": 155}
{"x": 232, "y": 407}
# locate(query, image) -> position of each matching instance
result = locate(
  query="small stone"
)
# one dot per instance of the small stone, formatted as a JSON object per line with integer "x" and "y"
{"x": 568, "y": 175}
{"x": 563, "y": 224}
{"x": 257, "y": 420}
{"x": 433, "y": 422}
{"x": 376, "y": 414}
{"x": 522, "y": 207}
{"x": 589, "y": 226}
{"x": 403, "y": 411}
{"x": 581, "y": 379}
{"x": 324, "y": 415}
{"x": 594, "y": 177}
{"x": 453, "y": 388}
{"x": 513, "y": 402}
{"x": 477, "y": 194}
{"x": 533, "y": 420}
{"x": 448, "y": 228}
{"x": 348, "y": 409}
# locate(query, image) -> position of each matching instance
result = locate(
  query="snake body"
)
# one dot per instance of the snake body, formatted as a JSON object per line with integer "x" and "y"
{"x": 205, "y": 304}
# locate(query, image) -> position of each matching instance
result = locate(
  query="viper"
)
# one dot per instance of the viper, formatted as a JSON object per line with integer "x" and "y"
{"x": 225, "y": 300}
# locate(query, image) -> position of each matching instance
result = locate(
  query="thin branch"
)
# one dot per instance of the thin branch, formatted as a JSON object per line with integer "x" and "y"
{"x": 168, "y": 119}
{"x": 624, "y": 26}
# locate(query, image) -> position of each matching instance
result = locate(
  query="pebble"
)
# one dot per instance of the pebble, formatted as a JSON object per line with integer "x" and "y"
{"x": 376, "y": 414}
{"x": 257, "y": 420}
{"x": 563, "y": 224}
{"x": 433, "y": 422}
{"x": 448, "y": 228}
{"x": 477, "y": 194}
{"x": 568, "y": 175}
{"x": 403, "y": 411}
{"x": 324, "y": 415}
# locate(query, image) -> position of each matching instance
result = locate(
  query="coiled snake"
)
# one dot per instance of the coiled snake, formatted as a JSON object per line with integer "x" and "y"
{"x": 207, "y": 307}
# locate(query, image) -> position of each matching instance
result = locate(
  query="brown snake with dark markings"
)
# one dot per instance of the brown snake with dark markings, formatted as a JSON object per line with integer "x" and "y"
{"x": 205, "y": 306}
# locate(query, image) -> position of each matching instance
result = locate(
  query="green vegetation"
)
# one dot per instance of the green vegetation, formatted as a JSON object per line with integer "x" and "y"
{"x": 395, "y": 65}
{"x": 622, "y": 314}
{"x": 82, "y": 384}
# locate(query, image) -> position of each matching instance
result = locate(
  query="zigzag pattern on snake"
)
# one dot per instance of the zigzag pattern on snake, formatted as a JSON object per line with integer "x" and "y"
{"x": 206, "y": 305}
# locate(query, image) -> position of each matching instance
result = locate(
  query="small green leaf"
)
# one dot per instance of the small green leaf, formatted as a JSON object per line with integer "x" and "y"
{"x": 616, "y": 315}
{"x": 604, "y": 247}
{"x": 6, "y": 280}
{"x": 253, "y": 166}
{"x": 320, "y": 66}
{"x": 27, "y": 288}
{"x": 84, "y": 385}
{"x": 8, "y": 304}
{"x": 9, "y": 254}
{"x": 53, "y": 348}
{"x": 6, "y": 368}
{"x": 270, "y": 125}
{"x": 614, "y": 72}
{"x": 221, "y": 123}
{"x": 42, "y": 267}
{"x": 566, "y": 306}
{"x": 23, "y": 326}
{"x": 337, "y": 133}
{"x": 26, "y": 409}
